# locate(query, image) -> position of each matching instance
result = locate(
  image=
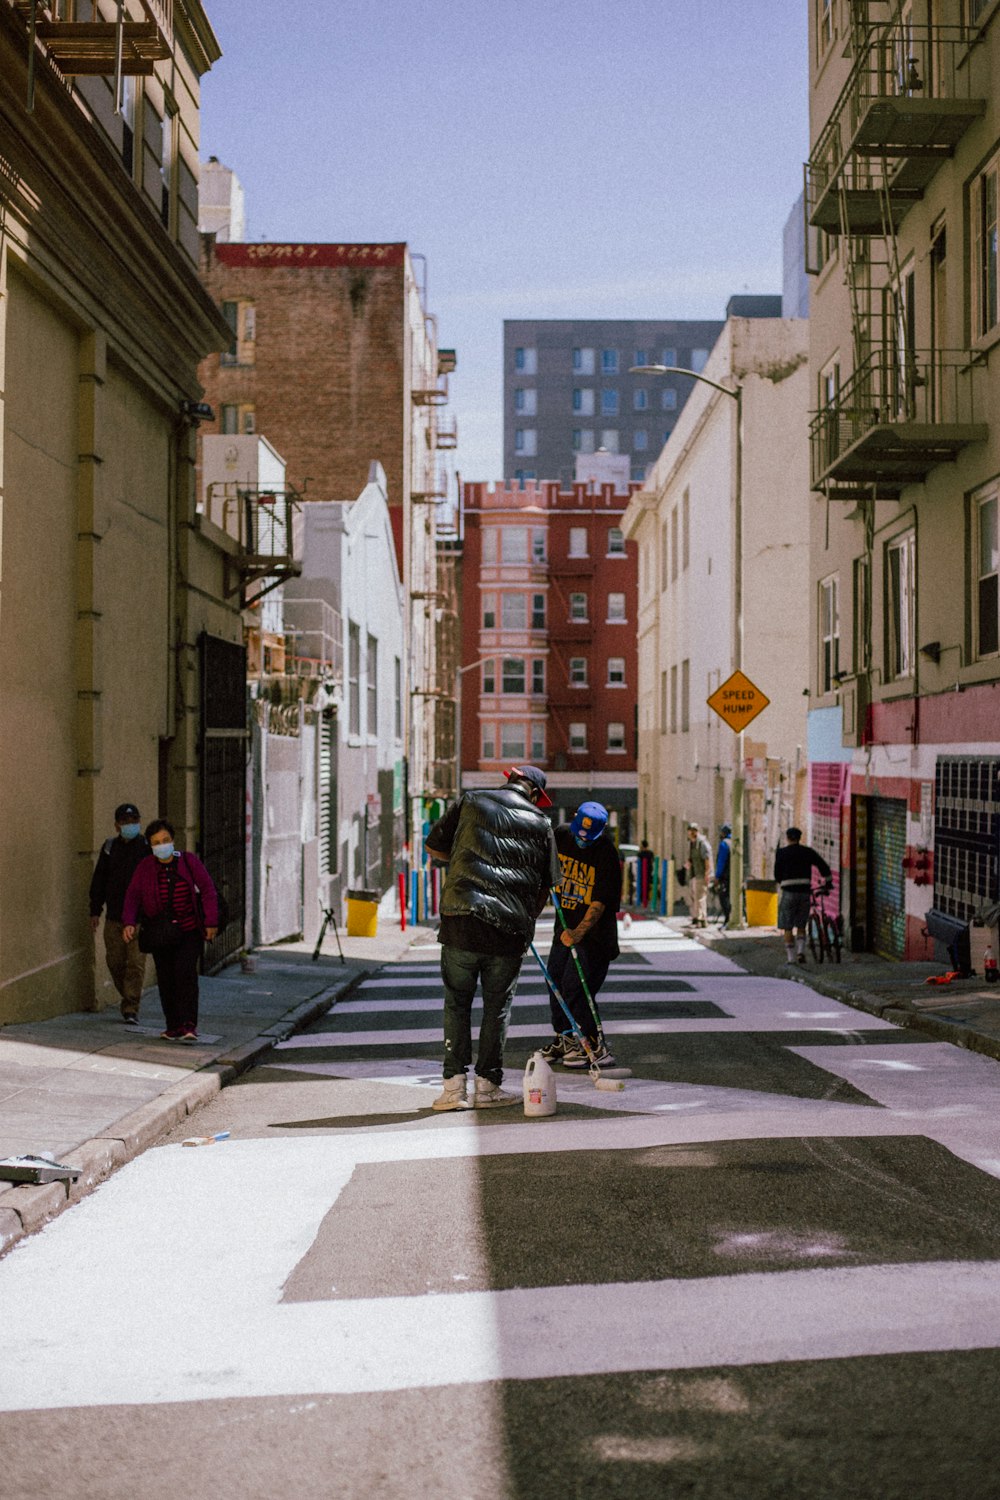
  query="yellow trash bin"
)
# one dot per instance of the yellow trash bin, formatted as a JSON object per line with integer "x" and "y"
{"x": 762, "y": 903}
{"x": 362, "y": 913}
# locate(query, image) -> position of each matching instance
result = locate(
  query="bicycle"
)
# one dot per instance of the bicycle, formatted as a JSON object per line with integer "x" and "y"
{"x": 824, "y": 930}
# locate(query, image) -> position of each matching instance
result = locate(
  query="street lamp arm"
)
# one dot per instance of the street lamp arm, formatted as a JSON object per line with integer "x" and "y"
{"x": 727, "y": 390}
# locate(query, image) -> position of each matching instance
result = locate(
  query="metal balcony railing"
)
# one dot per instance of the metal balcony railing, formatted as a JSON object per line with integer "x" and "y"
{"x": 911, "y": 95}
{"x": 896, "y": 418}
{"x": 81, "y": 39}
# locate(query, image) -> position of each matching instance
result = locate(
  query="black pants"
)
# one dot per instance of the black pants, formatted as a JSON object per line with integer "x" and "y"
{"x": 177, "y": 978}
{"x": 722, "y": 895}
{"x": 567, "y": 980}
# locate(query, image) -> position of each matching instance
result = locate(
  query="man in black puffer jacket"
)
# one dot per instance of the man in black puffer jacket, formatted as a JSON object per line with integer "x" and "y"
{"x": 502, "y": 864}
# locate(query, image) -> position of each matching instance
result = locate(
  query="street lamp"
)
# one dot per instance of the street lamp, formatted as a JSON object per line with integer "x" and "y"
{"x": 736, "y": 392}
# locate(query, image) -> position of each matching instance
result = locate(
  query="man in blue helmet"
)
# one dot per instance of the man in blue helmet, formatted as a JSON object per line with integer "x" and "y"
{"x": 589, "y": 892}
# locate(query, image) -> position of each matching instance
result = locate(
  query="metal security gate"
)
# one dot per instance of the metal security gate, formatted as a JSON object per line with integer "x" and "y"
{"x": 886, "y": 876}
{"x": 222, "y": 764}
{"x": 966, "y": 834}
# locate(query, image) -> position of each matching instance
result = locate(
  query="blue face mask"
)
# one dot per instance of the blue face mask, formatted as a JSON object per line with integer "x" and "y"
{"x": 131, "y": 830}
{"x": 163, "y": 851}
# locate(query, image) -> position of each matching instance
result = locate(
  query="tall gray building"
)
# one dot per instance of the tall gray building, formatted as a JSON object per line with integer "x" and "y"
{"x": 567, "y": 390}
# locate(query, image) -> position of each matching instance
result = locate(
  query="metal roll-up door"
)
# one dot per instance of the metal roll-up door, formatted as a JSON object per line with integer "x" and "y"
{"x": 886, "y": 877}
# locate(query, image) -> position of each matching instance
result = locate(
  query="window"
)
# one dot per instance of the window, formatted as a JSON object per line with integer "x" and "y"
{"x": 512, "y": 679}
{"x": 525, "y": 441}
{"x": 514, "y": 545}
{"x": 372, "y": 684}
{"x": 609, "y": 439}
{"x": 578, "y": 606}
{"x": 616, "y": 738}
{"x": 663, "y": 702}
{"x": 616, "y": 671}
{"x": 513, "y": 612}
{"x": 616, "y": 542}
{"x": 609, "y": 403}
{"x": 640, "y": 440}
{"x": 609, "y": 361}
{"x": 578, "y": 736}
{"x": 685, "y": 696}
{"x": 538, "y": 611}
{"x": 642, "y": 357}
{"x": 526, "y": 361}
{"x": 616, "y": 609}
{"x": 526, "y": 402}
{"x": 829, "y": 635}
{"x": 354, "y": 677}
{"x": 862, "y": 614}
{"x": 166, "y": 166}
{"x": 664, "y": 555}
{"x": 489, "y": 742}
{"x": 824, "y": 25}
{"x": 669, "y": 357}
{"x": 248, "y": 420}
{"x": 397, "y": 697}
{"x": 512, "y": 742}
{"x": 640, "y": 400}
{"x": 578, "y": 671}
{"x": 699, "y": 359}
{"x": 229, "y": 419}
{"x": 537, "y": 740}
{"x": 987, "y": 603}
{"x": 685, "y": 529}
{"x": 489, "y": 611}
{"x": 231, "y": 313}
{"x": 583, "y": 361}
{"x": 583, "y": 440}
{"x": 668, "y": 399}
{"x": 522, "y": 474}
{"x": 673, "y": 700}
{"x": 900, "y": 570}
{"x": 538, "y": 544}
{"x": 583, "y": 401}
{"x": 128, "y": 123}
{"x": 490, "y": 546}
{"x": 249, "y": 322}
{"x": 674, "y": 549}
{"x": 984, "y": 249}
{"x": 489, "y": 677}
{"x": 578, "y": 541}
{"x": 538, "y": 675}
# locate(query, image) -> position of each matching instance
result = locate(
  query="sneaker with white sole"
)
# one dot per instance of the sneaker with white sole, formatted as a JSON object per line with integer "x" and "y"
{"x": 603, "y": 1056}
{"x": 454, "y": 1094}
{"x": 491, "y": 1095}
{"x": 556, "y": 1049}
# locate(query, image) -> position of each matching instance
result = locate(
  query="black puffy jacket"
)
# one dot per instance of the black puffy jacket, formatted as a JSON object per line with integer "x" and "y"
{"x": 500, "y": 861}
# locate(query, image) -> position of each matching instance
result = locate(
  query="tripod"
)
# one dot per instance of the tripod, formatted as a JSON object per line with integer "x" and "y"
{"x": 328, "y": 920}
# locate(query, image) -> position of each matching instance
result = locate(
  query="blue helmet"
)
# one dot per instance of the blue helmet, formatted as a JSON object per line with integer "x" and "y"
{"x": 589, "y": 822}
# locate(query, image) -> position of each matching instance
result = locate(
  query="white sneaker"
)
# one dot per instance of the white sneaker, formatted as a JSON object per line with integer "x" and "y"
{"x": 491, "y": 1095}
{"x": 453, "y": 1095}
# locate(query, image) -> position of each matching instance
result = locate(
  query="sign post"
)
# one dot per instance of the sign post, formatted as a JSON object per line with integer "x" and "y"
{"x": 737, "y": 701}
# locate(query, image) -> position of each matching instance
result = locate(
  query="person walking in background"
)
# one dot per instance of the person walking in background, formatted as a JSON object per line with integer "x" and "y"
{"x": 502, "y": 864}
{"x": 793, "y": 867}
{"x": 116, "y": 864}
{"x": 699, "y": 867}
{"x": 173, "y": 900}
{"x": 720, "y": 883}
{"x": 589, "y": 893}
{"x": 646, "y": 861}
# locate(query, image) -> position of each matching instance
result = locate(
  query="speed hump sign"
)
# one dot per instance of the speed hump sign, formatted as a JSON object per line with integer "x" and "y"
{"x": 738, "y": 701}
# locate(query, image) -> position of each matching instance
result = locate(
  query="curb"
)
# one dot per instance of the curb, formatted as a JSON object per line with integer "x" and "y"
{"x": 25, "y": 1209}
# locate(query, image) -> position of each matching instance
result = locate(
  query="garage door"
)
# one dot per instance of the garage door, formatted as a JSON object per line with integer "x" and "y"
{"x": 888, "y": 849}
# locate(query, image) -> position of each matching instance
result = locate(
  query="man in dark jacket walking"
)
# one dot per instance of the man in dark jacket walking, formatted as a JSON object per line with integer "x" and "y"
{"x": 793, "y": 867}
{"x": 501, "y": 866}
{"x": 116, "y": 864}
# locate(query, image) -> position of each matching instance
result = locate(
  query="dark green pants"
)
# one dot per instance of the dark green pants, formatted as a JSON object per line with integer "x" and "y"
{"x": 460, "y": 972}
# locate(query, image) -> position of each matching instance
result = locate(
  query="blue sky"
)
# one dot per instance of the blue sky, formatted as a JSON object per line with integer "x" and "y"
{"x": 554, "y": 159}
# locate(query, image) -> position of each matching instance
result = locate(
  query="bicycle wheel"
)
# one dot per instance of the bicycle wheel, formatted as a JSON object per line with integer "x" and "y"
{"x": 831, "y": 933}
{"x": 815, "y": 931}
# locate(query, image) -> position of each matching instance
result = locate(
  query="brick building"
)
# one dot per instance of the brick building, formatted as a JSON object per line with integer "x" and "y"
{"x": 549, "y": 642}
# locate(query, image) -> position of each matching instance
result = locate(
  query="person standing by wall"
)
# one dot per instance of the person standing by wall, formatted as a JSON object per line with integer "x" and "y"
{"x": 793, "y": 867}
{"x": 589, "y": 893}
{"x": 174, "y": 899}
{"x": 116, "y": 864}
{"x": 699, "y": 870}
{"x": 502, "y": 864}
{"x": 720, "y": 882}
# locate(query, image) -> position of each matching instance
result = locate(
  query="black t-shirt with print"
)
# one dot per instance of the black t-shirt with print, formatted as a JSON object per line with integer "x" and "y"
{"x": 591, "y": 874}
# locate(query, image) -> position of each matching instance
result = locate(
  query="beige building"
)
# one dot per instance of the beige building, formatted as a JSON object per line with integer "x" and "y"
{"x": 685, "y": 520}
{"x": 902, "y": 195}
{"x": 119, "y": 612}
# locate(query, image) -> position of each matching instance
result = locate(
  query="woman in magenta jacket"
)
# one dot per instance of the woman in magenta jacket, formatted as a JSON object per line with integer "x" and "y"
{"x": 179, "y": 886}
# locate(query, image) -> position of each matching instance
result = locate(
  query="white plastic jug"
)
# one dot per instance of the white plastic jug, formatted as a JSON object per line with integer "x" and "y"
{"x": 539, "y": 1087}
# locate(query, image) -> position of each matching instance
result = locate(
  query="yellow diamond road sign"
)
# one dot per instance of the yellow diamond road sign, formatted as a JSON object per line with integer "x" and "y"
{"x": 738, "y": 701}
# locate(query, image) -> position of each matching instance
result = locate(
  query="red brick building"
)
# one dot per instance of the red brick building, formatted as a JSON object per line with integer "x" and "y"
{"x": 549, "y": 642}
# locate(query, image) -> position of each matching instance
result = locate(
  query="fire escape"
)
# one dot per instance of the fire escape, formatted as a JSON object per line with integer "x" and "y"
{"x": 79, "y": 44}
{"x": 906, "y": 104}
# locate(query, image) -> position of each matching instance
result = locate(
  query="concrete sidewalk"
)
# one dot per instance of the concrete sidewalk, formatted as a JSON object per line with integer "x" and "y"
{"x": 965, "y": 1012}
{"x": 95, "y": 1093}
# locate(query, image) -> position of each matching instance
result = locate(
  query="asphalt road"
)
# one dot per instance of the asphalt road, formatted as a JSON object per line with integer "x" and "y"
{"x": 769, "y": 1267}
